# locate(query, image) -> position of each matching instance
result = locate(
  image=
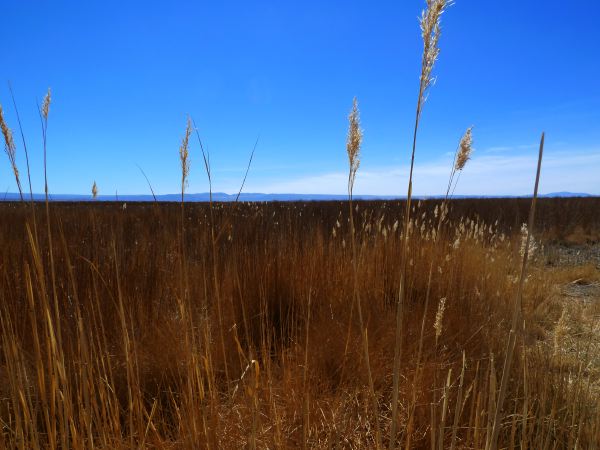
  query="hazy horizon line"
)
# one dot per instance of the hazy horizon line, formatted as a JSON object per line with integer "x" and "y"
{"x": 259, "y": 196}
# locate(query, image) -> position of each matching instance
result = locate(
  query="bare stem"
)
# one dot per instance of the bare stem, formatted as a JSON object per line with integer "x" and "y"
{"x": 512, "y": 336}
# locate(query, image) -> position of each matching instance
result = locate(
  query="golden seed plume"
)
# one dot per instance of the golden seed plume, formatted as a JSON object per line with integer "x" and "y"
{"x": 353, "y": 142}
{"x": 10, "y": 149}
{"x": 46, "y": 104}
{"x": 464, "y": 149}
{"x": 439, "y": 317}
{"x": 184, "y": 154}
{"x": 430, "y": 32}
{"x": 531, "y": 250}
{"x": 9, "y": 144}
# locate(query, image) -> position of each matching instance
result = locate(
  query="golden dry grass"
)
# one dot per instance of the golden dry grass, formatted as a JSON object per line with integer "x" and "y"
{"x": 125, "y": 360}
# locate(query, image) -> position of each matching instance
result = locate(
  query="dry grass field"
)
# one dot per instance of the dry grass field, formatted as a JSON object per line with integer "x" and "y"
{"x": 146, "y": 332}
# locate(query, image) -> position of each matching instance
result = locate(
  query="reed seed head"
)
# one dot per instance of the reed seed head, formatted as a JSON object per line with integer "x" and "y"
{"x": 430, "y": 32}
{"x": 464, "y": 149}
{"x": 10, "y": 147}
{"x": 532, "y": 243}
{"x": 46, "y": 104}
{"x": 353, "y": 142}
{"x": 439, "y": 316}
{"x": 184, "y": 154}
{"x": 9, "y": 144}
{"x": 94, "y": 190}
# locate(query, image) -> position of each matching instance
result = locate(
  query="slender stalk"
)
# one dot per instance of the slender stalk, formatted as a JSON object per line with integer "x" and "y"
{"x": 306, "y": 400}
{"x": 413, "y": 400}
{"x": 12, "y": 96}
{"x": 237, "y": 197}
{"x": 458, "y": 406}
{"x": 147, "y": 181}
{"x": 44, "y": 110}
{"x": 353, "y": 150}
{"x": 444, "y": 411}
{"x": 215, "y": 268}
{"x": 430, "y": 32}
{"x": 43, "y": 114}
{"x": 23, "y": 139}
{"x": 185, "y": 170}
{"x": 461, "y": 155}
{"x": 512, "y": 336}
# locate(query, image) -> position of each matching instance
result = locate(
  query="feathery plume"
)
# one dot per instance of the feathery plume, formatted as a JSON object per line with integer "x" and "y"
{"x": 94, "y": 190}
{"x": 461, "y": 156}
{"x": 532, "y": 243}
{"x": 9, "y": 144}
{"x": 353, "y": 143}
{"x": 10, "y": 149}
{"x": 46, "y": 104}
{"x": 430, "y": 31}
{"x": 184, "y": 156}
{"x": 464, "y": 150}
{"x": 439, "y": 316}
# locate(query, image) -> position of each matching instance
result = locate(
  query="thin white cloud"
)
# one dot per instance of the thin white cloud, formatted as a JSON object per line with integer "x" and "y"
{"x": 509, "y": 148}
{"x": 502, "y": 173}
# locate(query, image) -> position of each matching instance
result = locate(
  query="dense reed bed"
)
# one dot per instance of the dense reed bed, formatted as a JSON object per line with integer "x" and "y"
{"x": 139, "y": 345}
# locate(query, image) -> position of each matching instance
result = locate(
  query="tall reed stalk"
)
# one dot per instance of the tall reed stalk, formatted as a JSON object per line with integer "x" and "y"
{"x": 57, "y": 354}
{"x": 43, "y": 113}
{"x": 430, "y": 33}
{"x": 353, "y": 149}
{"x": 517, "y": 307}
{"x": 215, "y": 261}
{"x": 12, "y": 96}
{"x": 148, "y": 182}
{"x": 461, "y": 156}
{"x": 185, "y": 171}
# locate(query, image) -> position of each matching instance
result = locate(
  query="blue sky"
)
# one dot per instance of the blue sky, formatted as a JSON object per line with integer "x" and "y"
{"x": 124, "y": 76}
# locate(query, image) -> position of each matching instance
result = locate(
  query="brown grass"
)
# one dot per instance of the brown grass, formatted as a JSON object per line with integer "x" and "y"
{"x": 137, "y": 365}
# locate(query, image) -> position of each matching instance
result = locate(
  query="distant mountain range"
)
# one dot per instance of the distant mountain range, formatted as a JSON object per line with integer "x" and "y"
{"x": 253, "y": 197}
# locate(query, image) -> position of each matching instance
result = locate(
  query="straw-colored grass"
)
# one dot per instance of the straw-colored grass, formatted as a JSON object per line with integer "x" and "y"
{"x": 139, "y": 363}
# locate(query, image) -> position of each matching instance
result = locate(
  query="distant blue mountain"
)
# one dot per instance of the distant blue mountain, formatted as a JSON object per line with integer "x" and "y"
{"x": 251, "y": 197}
{"x": 199, "y": 197}
{"x": 567, "y": 194}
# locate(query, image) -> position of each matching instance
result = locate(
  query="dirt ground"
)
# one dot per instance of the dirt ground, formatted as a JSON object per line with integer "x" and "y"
{"x": 572, "y": 335}
{"x": 572, "y": 255}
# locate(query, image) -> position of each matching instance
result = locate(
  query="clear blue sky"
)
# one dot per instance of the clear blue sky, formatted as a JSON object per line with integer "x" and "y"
{"x": 124, "y": 75}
